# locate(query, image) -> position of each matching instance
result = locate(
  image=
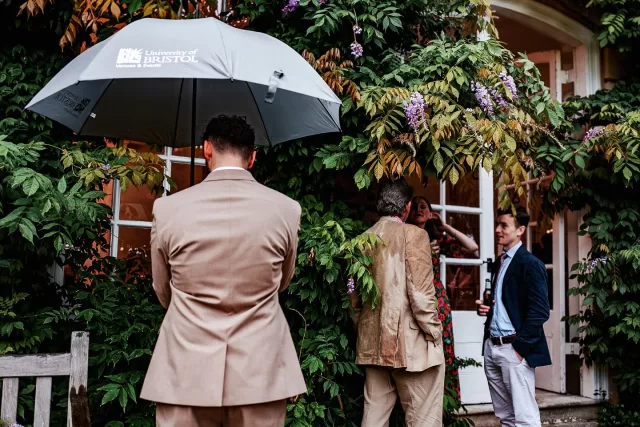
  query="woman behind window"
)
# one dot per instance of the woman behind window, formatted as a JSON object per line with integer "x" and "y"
{"x": 452, "y": 243}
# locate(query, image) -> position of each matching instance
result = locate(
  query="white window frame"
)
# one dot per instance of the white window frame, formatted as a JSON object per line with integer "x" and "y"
{"x": 485, "y": 240}
{"x": 169, "y": 159}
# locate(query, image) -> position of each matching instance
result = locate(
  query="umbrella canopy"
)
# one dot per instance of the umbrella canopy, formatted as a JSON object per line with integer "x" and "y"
{"x": 161, "y": 81}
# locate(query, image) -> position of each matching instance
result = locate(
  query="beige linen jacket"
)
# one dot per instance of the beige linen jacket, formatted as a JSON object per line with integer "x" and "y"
{"x": 404, "y": 330}
{"x": 221, "y": 252}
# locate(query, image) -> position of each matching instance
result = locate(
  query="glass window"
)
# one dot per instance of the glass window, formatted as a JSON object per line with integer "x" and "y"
{"x": 466, "y": 192}
{"x": 136, "y": 204}
{"x": 463, "y": 286}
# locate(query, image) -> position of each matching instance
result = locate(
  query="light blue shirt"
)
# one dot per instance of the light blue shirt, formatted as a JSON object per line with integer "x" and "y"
{"x": 500, "y": 323}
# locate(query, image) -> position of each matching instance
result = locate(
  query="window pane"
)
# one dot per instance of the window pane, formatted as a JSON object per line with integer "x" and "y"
{"x": 181, "y": 174}
{"x": 468, "y": 224}
{"x": 186, "y": 152}
{"x": 466, "y": 192}
{"x": 432, "y": 190}
{"x": 136, "y": 204}
{"x": 463, "y": 286}
{"x": 542, "y": 245}
{"x": 133, "y": 241}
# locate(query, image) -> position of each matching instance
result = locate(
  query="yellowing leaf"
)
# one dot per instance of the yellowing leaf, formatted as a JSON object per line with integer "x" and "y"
{"x": 454, "y": 176}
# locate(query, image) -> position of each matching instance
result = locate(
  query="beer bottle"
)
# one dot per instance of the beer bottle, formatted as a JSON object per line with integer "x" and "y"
{"x": 486, "y": 295}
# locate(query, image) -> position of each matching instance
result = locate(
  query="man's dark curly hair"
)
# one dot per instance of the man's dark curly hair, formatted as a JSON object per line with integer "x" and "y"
{"x": 230, "y": 134}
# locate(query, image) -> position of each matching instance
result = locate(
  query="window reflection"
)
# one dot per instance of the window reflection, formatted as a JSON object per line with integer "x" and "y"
{"x": 463, "y": 286}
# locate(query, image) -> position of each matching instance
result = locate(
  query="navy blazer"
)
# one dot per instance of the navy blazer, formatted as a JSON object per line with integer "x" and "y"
{"x": 525, "y": 297}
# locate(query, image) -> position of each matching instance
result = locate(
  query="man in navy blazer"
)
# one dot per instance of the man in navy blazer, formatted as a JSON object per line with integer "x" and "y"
{"x": 514, "y": 340}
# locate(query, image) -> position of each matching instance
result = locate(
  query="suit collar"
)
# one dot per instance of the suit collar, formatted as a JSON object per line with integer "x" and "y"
{"x": 230, "y": 174}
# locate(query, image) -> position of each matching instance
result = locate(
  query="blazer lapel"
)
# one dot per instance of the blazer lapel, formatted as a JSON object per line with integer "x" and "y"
{"x": 512, "y": 266}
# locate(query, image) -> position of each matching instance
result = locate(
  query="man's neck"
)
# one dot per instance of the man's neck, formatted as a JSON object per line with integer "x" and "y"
{"x": 227, "y": 164}
{"x": 506, "y": 248}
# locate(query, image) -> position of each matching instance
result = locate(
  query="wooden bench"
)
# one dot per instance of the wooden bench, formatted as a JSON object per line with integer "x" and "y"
{"x": 45, "y": 366}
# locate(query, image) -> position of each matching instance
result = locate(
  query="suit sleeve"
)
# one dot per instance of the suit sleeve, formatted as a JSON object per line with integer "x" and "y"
{"x": 289, "y": 264}
{"x": 420, "y": 287}
{"x": 537, "y": 308}
{"x": 160, "y": 264}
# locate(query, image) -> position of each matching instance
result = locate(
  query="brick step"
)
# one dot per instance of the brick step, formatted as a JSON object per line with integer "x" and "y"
{"x": 555, "y": 410}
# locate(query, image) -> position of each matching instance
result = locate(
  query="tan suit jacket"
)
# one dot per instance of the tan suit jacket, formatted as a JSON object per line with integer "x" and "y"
{"x": 404, "y": 330}
{"x": 221, "y": 251}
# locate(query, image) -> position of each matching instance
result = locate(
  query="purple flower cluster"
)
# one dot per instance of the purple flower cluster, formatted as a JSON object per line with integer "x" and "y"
{"x": 351, "y": 285}
{"x": 482, "y": 96}
{"x": 592, "y": 133}
{"x": 498, "y": 98}
{"x": 356, "y": 50}
{"x": 594, "y": 263}
{"x": 321, "y": 1}
{"x": 357, "y": 29}
{"x": 414, "y": 110}
{"x": 510, "y": 84}
{"x": 290, "y": 6}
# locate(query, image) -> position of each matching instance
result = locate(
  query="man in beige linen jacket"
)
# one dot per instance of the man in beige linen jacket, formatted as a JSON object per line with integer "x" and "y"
{"x": 221, "y": 252}
{"x": 400, "y": 340}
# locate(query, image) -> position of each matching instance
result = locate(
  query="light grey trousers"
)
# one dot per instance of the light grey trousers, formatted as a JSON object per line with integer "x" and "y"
{"x": 512, "y": 383}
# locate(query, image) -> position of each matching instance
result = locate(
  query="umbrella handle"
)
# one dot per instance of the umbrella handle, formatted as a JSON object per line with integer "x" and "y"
{"x": 274, "y": 82}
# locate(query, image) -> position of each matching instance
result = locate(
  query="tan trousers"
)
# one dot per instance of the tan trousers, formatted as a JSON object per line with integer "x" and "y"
{"x": 420, "y": 395}
{"x": 270, "y": 414}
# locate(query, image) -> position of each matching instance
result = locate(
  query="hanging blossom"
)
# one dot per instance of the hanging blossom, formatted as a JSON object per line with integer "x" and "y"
{"x": 357, "y": 29}
{"x": 498, "y": 98}
{"x": 594, "y": 263}
{"x": 510, "y": 84}
{"x": 356, "y": 49}
{"x": 414, "y": 110}
{"x": 482, "y": 96}
{"x": 351, "y": 285}
{"x": 290, "y": 6}
{"x": 592, "y": 133}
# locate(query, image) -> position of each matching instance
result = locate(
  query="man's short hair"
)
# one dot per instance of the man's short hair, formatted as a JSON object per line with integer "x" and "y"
{"x": 230, "y": 134}
{"x": 521, "y": 217}
{"x": 393, "y": 198}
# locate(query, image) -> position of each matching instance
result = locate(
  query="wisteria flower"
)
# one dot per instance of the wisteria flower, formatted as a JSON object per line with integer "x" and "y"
{"x": 357, "y": 29}
{"x": 291, "y": 6}
{"x": 356, "y": 49}
{"x": 482, "y": 96}
{"x": 498, "y": 98}
{"x": 414, "y": 110}
{"x": 592, "y": 133}
{"x": 594, "y": 263}
{"x": 321, "y": 1}
{"x": 510, "y": 84}
{"x": 351, "y": 285}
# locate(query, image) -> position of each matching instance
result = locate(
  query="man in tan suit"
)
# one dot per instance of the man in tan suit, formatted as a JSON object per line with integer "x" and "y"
{"x": 400, "y": 341}
{"x": 221, "y": 252}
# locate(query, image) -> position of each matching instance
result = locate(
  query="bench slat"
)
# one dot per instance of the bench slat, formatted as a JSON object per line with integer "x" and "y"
{"x": 9, "y": 400}
{"x": 43, "y": 402}
{"x": 36, "y": 365}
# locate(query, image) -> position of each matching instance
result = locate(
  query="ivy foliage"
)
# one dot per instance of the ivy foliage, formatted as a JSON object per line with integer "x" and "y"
{"x": 601, "y": 173}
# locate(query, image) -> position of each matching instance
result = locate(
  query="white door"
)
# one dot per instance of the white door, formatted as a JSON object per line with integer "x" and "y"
{"x": 549, "y": 243}
{"x": 468, "y": 207}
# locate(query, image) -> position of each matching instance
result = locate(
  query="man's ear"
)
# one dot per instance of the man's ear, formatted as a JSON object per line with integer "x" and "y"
{"x": 252, "y": 159}
{"x": 208, "y": 149}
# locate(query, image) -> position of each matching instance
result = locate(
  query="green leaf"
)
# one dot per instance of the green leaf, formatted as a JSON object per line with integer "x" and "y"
{"x": 580, "y": 162}
{"x": 26, "y": 232}
{"x": 30, "y": 187}
{"x": 62, "y": 185}
{"x": 110, "y": 395}
{"x": 627, "y": 173}
{"x": 438, "y": 161}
